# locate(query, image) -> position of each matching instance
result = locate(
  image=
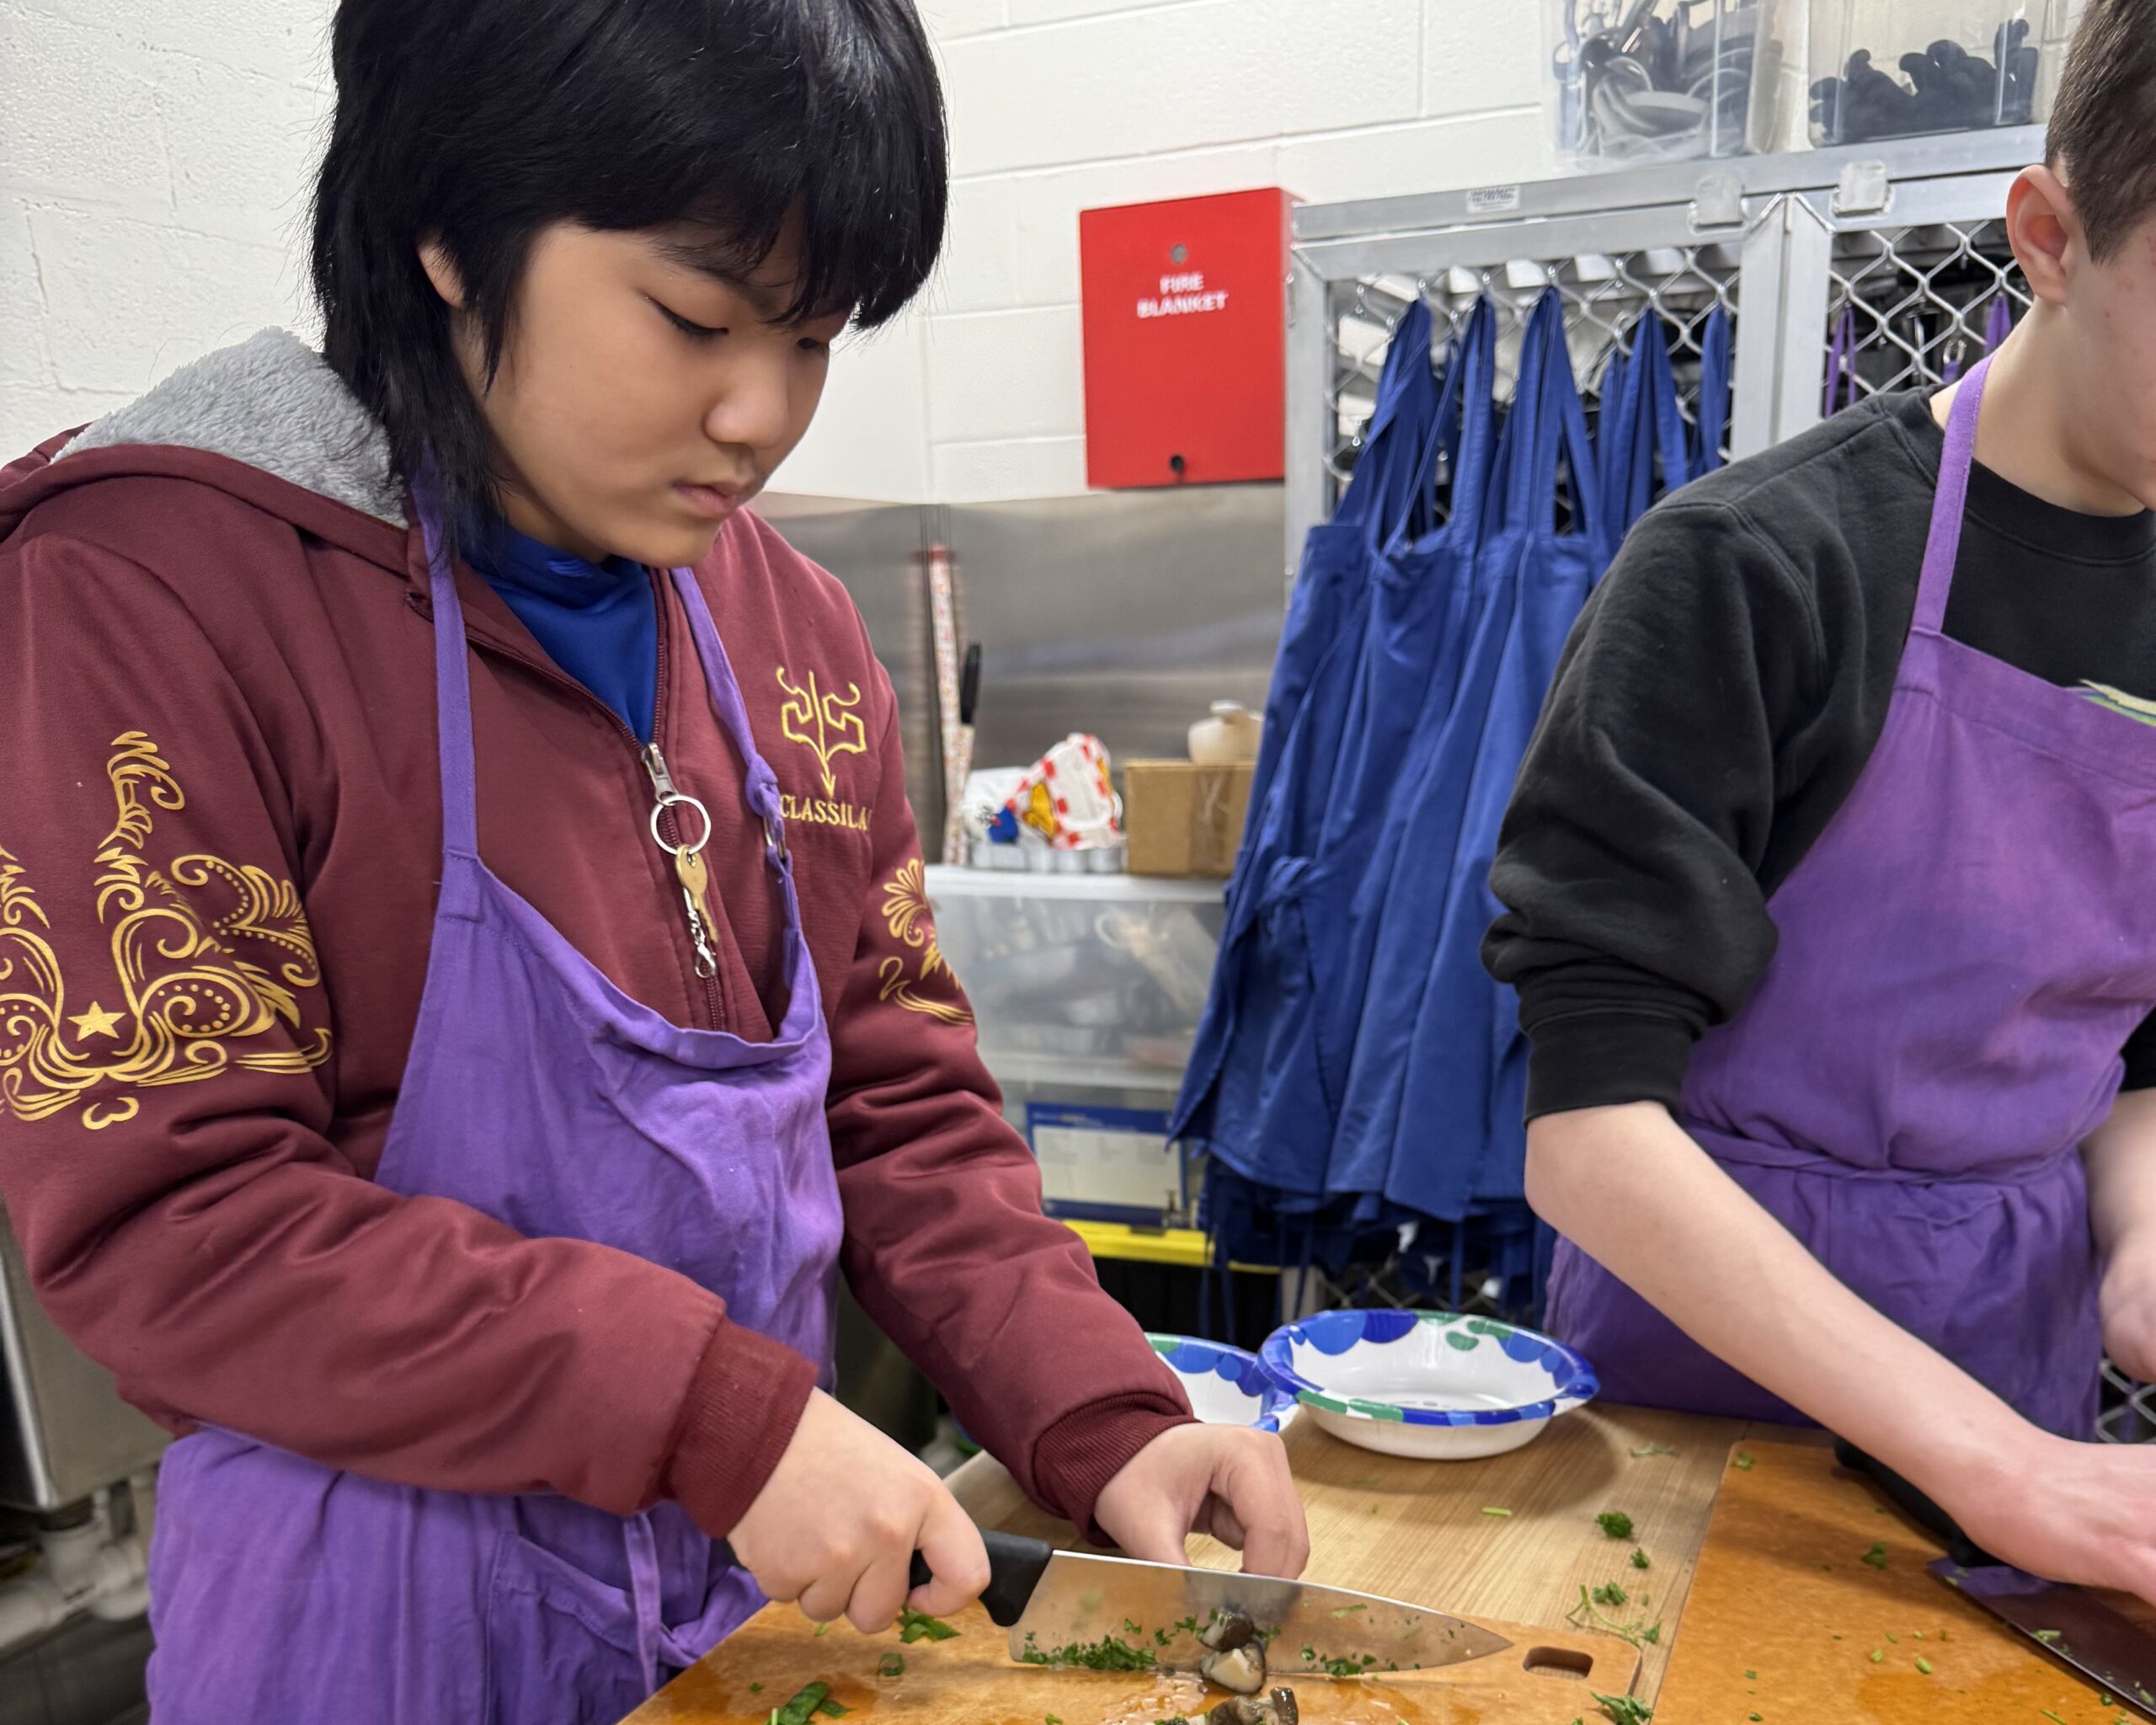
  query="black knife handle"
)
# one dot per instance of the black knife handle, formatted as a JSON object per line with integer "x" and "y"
{"x": 1016, "y": 1566}
{"x": 1927, "y": 1514}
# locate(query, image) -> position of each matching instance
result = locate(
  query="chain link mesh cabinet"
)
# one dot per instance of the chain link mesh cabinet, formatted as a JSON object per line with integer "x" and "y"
{"x": 1900, "y": 247}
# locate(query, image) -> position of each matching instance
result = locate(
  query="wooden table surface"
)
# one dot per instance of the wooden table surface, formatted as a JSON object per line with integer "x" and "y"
{"x": 1415, "y": 1530}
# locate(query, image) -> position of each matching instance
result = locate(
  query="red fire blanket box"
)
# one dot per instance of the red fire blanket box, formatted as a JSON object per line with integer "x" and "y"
{"x": 1186, "y": 310}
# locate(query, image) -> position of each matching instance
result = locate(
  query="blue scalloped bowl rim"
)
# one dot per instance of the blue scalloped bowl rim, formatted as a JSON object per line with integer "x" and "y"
{"x": 1193, "y": 1356}
{"x": 1571, "y": 1379}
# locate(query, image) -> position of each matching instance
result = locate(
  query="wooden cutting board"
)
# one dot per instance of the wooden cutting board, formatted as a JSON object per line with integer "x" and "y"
{"x": 1787, "y": 1624}
{"x": 971, "y": 1680}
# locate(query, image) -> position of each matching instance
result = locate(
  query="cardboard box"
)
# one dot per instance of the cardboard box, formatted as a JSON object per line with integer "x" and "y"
{"x": 1182, "y": 818}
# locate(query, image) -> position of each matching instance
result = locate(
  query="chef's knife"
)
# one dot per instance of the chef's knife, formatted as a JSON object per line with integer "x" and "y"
{"x": 1051, "y": 1601}
{"x": 2069, "y": 1622}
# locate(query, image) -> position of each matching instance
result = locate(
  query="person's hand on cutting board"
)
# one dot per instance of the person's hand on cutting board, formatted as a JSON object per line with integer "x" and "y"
{"x": 1633, "y": 1188}
{"x": 836, "y": 1525}
{"x": 1225, "y": 1481}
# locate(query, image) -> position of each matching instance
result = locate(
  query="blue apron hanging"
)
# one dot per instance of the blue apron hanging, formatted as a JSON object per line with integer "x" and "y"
{"x": 1650, "y": 437}
{"x": 1713, "y": 392}
{"x": 1337, "y": 554}
{"x": 1422, "y": 620}
{"x": 1444, "y": 1156}
{"x": 1255, "y": 1052}
{"x": 1427, "y": 817}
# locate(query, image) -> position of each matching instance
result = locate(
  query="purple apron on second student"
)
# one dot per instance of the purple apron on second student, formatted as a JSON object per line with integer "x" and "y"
{"x": 1963, "y": 955}
{"x": 537, "y": 1092}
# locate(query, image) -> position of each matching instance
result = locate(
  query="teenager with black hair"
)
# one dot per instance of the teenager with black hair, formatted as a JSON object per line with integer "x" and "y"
{"x": 466, "y": 987}
{"x": 1830, "y": 882}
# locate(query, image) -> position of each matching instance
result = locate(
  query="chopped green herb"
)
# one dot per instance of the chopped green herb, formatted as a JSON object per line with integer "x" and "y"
{"x": 1751, "y": 1676}
{"x": 1130, "y": 1628}
{"x": 1878, "y": 1654}
{"x": 832, "y": 1710}
{"x": 823, "y": 1629}
{"x": 1753, "y": 1718}
{"x": 1350, "y": 1610}
{"x": 1647, "y": 1449}
{"x": 1893, "y": 1638}
{"x": 1876, "y": 1556}
{"x": 755, "y": 1689}
{"x": 1614, "y": 1524}
{"x": 1640, "y": 1559}
{"x": 2103, "y": 1701}
{"x": 1652, "y": 1636}
{"x": 803, "y": 1707}
{"x": 918, "y": 1626}
{"x": 891, "y": 1665}
{"x": 1610, "y": 1594}
{"x": 1189, "y": 1625}
{"x": 1742, "y": 1461}
{"x": 1491, "y": 1510}
{"x": 1108, "y": 1653}
{"x": 1624, "y": 1710}
{"x": 1925, "y": 1666}
{"x": 2049, "y": 1637}
{"x": 1052, "y": 1720}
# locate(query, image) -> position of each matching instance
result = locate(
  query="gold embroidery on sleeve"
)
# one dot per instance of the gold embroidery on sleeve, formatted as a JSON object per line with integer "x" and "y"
{"x": 188, "y": 1002}
{"x": 907, "y": 914}
{"x": 824, "y": 724}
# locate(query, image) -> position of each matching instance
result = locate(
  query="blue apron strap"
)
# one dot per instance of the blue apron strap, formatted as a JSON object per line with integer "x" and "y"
{"x": 1478, "y": 423}
{"x": 1617, "y": 438}
{"x": 1714, "y": 391}
{"x": 1377, "y": 488}
{"x": 1524, "y": 488}
{"x": 1671, "y": 434}
{"x": 1461, "y": 431}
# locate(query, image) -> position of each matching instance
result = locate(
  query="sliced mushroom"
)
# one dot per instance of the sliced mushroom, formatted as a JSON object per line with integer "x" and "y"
{"x": 1240, "y": 1670}
{"x": 1228, "y": 1632}
{"x": 1278, "y": 1708}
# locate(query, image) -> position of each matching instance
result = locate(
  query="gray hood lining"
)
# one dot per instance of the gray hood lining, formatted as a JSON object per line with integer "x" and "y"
{"x": 274, "y": 404}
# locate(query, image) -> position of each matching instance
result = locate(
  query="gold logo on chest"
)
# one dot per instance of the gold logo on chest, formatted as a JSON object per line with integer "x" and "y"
{"x": 827, "y": 724}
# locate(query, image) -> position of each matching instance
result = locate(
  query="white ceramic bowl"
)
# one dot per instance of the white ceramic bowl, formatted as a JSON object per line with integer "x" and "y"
{"x": 1226, "y": 1386}
{"x": 1428, "y": 1384}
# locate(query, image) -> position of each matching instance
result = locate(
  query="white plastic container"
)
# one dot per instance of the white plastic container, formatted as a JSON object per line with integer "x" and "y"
{"x": 1901, "y": 68}
{"x": 1229, "y": 738}
{"x": 1644, "y": 81}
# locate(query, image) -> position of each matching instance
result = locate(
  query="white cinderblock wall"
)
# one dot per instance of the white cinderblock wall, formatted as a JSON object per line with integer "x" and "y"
{"x": 154, "y": 155}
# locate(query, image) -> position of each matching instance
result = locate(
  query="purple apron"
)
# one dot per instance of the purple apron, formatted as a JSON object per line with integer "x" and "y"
{"x": 537, "y": 1092}
{"x": 1963, "y": 955}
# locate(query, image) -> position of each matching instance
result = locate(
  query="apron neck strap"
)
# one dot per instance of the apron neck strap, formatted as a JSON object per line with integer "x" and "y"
{"x": 460, "y": 805}
{"x": 1944, "y": 543}
{"x": 760, "y": 783}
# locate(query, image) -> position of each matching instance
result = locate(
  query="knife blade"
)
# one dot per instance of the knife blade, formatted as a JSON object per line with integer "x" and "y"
{"x": 2070, "y": 1623}
{"x": 1072, "y": 1608}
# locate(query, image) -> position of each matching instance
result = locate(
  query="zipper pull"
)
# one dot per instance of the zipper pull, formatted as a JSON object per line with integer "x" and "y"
{"x": 689, "y": 867}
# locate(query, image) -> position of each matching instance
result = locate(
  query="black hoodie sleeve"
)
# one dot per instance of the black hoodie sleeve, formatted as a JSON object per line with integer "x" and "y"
{"x": 1631, "y": 858}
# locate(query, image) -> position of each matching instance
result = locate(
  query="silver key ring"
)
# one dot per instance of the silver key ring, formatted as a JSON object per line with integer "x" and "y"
{"x": 677, "y": 800}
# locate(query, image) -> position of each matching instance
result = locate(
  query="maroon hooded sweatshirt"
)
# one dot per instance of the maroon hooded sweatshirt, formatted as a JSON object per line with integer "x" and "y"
{"x": 220, "y": 823}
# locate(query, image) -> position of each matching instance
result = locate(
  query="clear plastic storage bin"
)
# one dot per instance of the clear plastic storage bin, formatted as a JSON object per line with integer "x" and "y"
{"x": 1102, "y": 975}
{"x": 1900, "y": 68}
{"x": 1086, "y": 991}
{"x": 1642, "y": 80}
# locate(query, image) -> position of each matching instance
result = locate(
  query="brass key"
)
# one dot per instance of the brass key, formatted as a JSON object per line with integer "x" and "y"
{"x": 695, "y": 876}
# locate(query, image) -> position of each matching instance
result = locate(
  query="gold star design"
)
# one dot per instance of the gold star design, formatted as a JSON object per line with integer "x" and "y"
{"x": 97, "y": 1021}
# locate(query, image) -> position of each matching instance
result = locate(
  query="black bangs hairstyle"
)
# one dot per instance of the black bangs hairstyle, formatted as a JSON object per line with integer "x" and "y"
{"x": 481, "y": 122}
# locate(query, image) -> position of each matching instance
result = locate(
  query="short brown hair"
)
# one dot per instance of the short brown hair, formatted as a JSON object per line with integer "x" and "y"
{"x": 2102, "y": 139}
